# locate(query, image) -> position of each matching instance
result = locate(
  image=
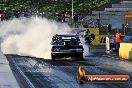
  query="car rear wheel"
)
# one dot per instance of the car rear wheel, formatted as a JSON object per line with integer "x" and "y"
{"x": 80, "y": 57}
{"x": 53, "y": 57}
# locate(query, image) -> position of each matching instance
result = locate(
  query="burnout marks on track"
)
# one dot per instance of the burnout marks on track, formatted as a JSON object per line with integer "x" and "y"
{"x": 39, "y": 80}
{"x": 69, "y": 63}
{"x": 25, "y": 59}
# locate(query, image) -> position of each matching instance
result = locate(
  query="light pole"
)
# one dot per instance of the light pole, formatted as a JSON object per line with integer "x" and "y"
{"x": 72, "y": 12}
{"x": 72, "y": 9}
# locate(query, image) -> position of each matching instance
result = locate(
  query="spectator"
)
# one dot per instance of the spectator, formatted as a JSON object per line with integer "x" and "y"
{"x": 109, "y": 29}
{"x": 118, "y": 36}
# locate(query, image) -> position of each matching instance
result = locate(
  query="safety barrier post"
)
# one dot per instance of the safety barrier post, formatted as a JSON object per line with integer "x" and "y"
{"x": 107, "y": 45}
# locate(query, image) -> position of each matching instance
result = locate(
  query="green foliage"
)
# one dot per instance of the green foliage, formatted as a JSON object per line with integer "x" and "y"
{"x": 53, "y": 6}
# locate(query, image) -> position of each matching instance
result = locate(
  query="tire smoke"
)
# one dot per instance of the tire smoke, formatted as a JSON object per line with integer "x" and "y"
{"x": 29, "y": 36}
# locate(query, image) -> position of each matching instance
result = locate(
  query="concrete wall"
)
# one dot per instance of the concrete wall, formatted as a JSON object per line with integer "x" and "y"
{"x": 118, "y": 9}
{"x": 109, "y": 17}
{"x": 121, "y": 5}
{"x": 126, "y": 2}
{"x": 108, "y": 13}
{"x": 125, "y": 51}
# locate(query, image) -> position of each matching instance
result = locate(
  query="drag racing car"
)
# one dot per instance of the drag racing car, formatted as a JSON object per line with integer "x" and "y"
{"x": 66, "y": 46}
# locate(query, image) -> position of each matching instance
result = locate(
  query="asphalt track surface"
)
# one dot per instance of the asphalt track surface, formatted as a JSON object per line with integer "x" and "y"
{"x": 61, "y": 74}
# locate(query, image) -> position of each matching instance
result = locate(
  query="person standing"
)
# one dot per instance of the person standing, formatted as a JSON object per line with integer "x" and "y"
{"x": 118, "y": 36}
{"x": 86, "y": 36}
{"x": 76, "y": 17}
{"x": 109, "y": 29}
{"x": 89, "y": 36}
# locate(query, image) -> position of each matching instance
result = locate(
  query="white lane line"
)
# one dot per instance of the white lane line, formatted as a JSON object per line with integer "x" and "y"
{"x": 26, "y": 79}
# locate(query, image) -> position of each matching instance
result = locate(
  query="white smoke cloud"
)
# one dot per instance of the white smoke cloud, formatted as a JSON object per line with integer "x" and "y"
{"x": 30, "y": 36}
{"x": 86, "y": 47}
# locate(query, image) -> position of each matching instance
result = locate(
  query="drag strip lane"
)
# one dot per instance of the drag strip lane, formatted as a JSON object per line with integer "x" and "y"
{"x": 61, "y": 74}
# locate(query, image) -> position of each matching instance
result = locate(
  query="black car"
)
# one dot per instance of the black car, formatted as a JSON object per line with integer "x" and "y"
{"x": 66, "y": 46}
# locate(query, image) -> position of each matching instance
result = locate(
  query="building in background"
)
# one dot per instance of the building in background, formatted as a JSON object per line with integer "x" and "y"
{"x": 114, "y": 15}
